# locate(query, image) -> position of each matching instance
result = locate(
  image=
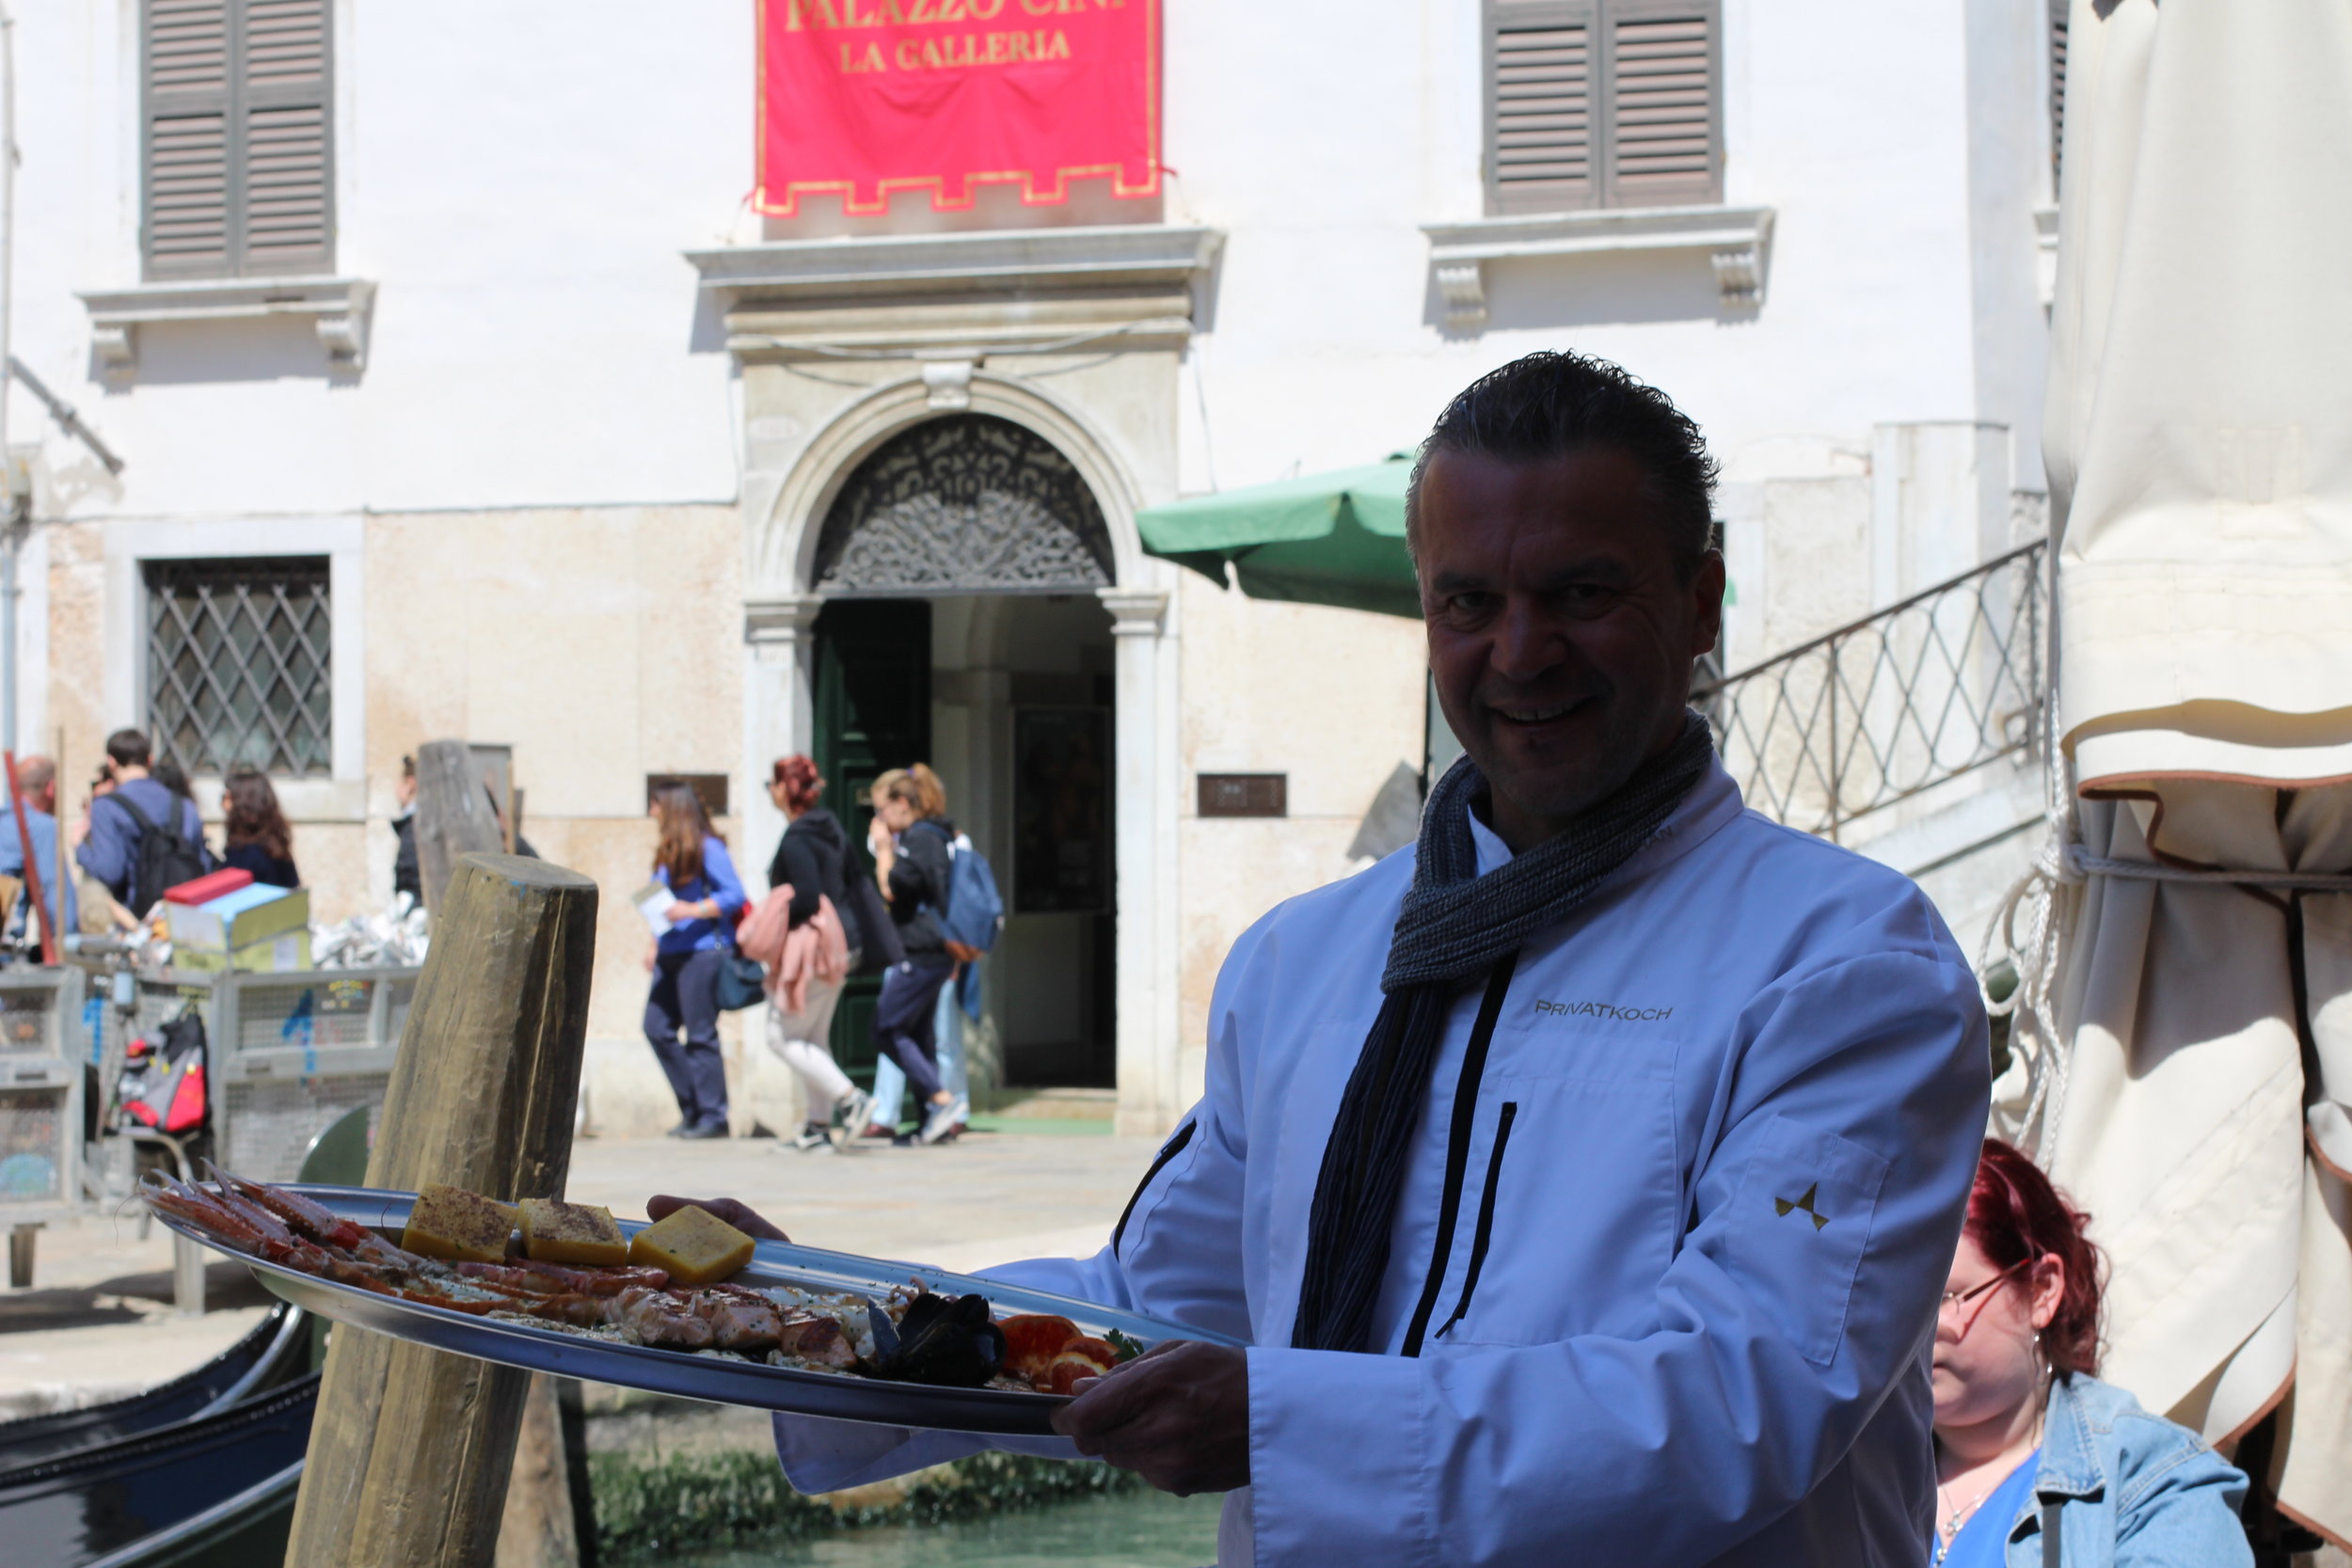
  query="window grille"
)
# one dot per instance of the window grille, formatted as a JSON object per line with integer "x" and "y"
{"x": 238, "y": 664}
{"x": 237, "y": 111}
{"x": 1603, "y": 104}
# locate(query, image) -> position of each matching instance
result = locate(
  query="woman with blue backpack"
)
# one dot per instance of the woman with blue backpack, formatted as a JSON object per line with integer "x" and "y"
{"x": 911, "y": 840}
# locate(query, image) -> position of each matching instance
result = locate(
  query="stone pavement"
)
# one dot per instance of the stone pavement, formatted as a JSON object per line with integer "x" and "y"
{"x": 98, "y": 1323}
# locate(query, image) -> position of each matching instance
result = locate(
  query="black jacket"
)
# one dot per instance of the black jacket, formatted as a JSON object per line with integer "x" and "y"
{"x": 812, "y": 858}
{"x": 918, "y": 885}
{"x": 266, "y": 868}
{"x": 406, "y": 877}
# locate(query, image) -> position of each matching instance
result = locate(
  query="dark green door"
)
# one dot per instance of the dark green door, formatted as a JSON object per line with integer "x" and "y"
{"x": 873, "y": 698}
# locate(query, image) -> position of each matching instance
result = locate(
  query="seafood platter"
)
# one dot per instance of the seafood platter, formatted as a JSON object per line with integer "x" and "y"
{"x": 689, "y": 1306}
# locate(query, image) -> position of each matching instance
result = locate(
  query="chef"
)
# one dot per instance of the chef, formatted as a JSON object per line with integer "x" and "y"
{"x": 1582, "y": 1180}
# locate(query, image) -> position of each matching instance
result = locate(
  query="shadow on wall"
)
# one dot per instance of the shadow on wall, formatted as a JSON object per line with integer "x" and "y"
{"x": 1540, "y": 293}
{"x": 187, "y": 353}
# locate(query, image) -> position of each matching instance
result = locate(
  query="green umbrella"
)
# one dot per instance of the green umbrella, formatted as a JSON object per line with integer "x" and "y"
{"x": 1335, "y": 538}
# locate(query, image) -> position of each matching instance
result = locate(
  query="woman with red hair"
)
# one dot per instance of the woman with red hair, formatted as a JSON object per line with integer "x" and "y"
{"x": 2037, "y": 1462}
{"x": 812, "y": 859}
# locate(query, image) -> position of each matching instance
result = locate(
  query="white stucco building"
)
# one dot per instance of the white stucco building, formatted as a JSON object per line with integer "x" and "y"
{"x": 477, "y": 363}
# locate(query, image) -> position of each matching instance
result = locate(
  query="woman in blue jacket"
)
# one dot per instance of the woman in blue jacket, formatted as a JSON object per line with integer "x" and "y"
{"x": 2037, "y": 1462}
{"x": 691, "y": 861}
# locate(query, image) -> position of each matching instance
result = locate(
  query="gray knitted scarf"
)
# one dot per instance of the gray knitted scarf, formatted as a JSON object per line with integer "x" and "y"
{"x": 1456, "y": 925}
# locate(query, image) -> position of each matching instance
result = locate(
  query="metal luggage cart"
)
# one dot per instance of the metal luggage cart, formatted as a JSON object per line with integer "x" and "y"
{"x": 41, "y": 1072}
{"x": 293, "y": 1052}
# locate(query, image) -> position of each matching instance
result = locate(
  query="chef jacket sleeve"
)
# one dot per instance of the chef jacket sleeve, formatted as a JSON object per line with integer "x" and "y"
{"x": 1175, "y": 1253}
{"x": 1858, "y": 1099}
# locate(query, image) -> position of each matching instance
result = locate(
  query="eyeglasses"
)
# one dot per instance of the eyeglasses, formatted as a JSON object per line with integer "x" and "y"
{"x": 1953, "y": 1301}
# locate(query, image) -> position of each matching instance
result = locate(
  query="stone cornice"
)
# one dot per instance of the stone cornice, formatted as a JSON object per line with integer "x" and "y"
{"x": 1126, "y": 254}
{"x": 1737, "y": 241}
{"x": 960, "y": 295}
{"x": 787, "y": 619}
{"x": 1135, "y": 611}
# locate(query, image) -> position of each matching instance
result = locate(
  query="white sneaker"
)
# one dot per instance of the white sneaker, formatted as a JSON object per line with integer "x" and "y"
{"x": 814, "y": 1135}
{"x": 940, "y": 1121}
{"x": 856, "y": 1112}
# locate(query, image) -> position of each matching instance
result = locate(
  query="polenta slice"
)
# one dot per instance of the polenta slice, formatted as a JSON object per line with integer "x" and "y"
{"x": 555, "y": 1231}
{"x": 692, "y": 1246}
{"x": 453, "y": 1224}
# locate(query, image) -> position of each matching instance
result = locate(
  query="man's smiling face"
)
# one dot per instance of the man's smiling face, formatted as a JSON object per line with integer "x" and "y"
{"x": 1560, "y": 635}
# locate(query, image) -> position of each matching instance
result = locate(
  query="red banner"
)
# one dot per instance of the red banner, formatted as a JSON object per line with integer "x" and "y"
{"x": 868, "y": 96}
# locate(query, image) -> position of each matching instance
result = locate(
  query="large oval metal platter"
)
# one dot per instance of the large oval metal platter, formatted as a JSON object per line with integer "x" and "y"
{"x": 716, "y": 1379}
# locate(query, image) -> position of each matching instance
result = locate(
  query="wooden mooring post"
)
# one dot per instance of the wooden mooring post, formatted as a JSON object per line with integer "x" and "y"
{"x": 411, "y": 1447}
{"x": 454, "y": 817}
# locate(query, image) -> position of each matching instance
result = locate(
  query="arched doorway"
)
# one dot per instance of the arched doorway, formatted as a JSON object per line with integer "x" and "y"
{"x": 959, "y": 564}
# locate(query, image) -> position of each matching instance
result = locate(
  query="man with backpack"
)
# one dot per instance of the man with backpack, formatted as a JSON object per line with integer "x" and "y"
{"x": 140, "y": 838}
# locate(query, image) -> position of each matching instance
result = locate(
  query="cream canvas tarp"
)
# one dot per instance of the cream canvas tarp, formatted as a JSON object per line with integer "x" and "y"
{"x": 2199, "y": 437}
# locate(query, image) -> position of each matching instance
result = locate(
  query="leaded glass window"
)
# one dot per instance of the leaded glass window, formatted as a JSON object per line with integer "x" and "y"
{"x": 238, "y": 664}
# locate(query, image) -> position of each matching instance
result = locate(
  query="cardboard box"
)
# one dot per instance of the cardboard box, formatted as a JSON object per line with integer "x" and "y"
{"x": 238, "y": 919}
{"x": 283, "y": 954}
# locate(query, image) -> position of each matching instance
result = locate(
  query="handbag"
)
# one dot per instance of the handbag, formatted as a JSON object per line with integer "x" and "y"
{"x": 742, "y": 982}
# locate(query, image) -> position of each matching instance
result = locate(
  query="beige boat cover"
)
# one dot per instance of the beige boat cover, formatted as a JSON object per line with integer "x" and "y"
{"x": 2199, "y": 438}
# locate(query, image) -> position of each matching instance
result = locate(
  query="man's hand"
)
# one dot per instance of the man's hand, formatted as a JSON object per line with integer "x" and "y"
{"x": 661, "y": 1206}
{"x": 1178, "y": 1416}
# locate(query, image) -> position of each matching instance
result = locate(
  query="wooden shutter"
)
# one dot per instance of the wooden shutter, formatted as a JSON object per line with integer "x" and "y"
{"x": 188, "y": 107}
{"x": 1666, "y": 109}
{"x": 286, "y": 209}
{"x": 1541, "y": 140}
{"x": 2058, "y": 87}
{"x": 238, "y": 107}
{"x": 1603, "y": 104}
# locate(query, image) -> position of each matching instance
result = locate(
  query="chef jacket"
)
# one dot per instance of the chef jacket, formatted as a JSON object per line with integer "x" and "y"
{"x": 1698, "y": 1203}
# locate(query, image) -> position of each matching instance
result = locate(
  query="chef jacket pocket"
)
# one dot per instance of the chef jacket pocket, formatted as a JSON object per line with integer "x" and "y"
{"x": 1575, "y": 1221}
{"x": 1799, "y": 1223}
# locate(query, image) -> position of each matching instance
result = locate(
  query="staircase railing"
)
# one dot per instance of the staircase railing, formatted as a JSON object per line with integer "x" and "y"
{"x": 1946, "y": 682}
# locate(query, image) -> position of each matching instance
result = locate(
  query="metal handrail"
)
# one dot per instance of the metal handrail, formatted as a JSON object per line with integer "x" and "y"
{"x": 1937, "y": 685}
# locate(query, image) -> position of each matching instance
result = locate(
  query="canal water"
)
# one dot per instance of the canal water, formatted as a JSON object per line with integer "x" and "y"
{"x": 1142, "y": 1530}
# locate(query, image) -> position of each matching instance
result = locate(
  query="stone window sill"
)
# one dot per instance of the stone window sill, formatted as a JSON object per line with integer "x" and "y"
{"x": 339, "y": 307}
{"x": 1737, "y": 241}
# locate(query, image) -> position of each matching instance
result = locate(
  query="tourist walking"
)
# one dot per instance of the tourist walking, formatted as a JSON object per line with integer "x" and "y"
{"x": 910, "y": 840}
{"x": 693, "y": 862}
{"x": 37, "y": 776}
{"x": 811, "y": 859}
{"x": 257, "y": 837}
{"x": 2027, "y": 1440}
{"x": 138, "y": 837}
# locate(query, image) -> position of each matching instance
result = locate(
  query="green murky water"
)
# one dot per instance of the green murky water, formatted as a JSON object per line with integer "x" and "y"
{"x": 1148, "y": 1529}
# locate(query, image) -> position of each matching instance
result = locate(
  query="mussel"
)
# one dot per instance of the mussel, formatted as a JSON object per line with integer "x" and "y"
{"x": 947, "y": 1340}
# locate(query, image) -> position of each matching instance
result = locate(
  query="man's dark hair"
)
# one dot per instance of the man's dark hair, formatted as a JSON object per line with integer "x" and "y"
{"x": 127, "y": 748}
{"x": 1550, "y": 404}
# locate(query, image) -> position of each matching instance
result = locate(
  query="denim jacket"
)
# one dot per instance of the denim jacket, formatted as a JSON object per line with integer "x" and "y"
{"x": 2131, "y": 1490}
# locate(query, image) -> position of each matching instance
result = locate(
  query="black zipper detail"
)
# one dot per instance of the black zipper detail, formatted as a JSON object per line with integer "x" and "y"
{"x": 1457, "y": 1145}
{"x": 1174, "y": 1147}
{"x": 1486, "y": 1231}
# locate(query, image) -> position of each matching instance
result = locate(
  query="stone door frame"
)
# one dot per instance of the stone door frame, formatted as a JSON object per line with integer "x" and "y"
{"x": 781, "y": 527}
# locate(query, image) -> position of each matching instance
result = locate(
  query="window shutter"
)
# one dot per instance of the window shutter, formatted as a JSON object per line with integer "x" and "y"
{"x": 185, "y": 64}
{"x": 2057, "y": 87}
{"x": 1664, "y": 103}
{"x": 1603, "y": 104}
{"x": 237, "y": 104}
{"x": 1541, "y": 121}
{"x": 286, "y": 206}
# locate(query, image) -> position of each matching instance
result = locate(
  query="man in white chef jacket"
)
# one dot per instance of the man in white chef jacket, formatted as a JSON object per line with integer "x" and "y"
{"x": 1582, "y": 1180}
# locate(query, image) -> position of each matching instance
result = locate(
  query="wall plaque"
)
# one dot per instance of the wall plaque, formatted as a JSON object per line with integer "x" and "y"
{"x": 1244, "y": 794}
